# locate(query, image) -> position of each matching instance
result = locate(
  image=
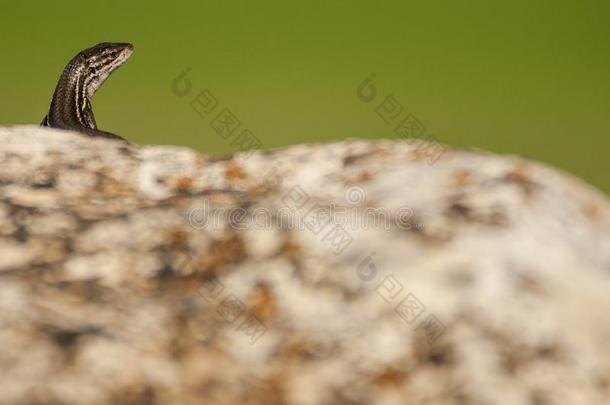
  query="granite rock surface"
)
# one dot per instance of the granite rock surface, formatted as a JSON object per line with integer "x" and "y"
{"x": 352, "y": 272}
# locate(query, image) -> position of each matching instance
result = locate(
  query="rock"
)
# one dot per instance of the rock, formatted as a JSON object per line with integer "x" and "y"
{"x": 353, "y": 272}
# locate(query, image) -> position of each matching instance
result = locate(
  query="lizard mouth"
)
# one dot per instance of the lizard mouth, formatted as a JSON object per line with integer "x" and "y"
{"x": 124, "y": 52}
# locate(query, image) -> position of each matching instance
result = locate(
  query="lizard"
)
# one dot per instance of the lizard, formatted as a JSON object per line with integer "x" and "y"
{"x": 71, "y": 103}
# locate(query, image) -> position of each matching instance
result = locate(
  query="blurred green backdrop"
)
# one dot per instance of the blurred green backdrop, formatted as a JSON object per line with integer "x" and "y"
{"x": 524, "y": 77}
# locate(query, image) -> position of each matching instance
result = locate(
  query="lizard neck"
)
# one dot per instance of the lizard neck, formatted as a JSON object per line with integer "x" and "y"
{"x": 71, "y": 104}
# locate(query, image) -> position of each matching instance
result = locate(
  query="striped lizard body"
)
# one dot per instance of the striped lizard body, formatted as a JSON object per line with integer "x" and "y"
{"x": 85, "y": 73}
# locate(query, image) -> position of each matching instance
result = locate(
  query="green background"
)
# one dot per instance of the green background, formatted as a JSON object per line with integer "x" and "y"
{"x": 523, "y": 77}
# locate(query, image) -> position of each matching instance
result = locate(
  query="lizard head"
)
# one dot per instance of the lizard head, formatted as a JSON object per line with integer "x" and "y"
{"x": 101, "y": 60}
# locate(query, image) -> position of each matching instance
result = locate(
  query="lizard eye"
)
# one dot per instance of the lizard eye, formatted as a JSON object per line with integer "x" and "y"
{"x": 113, "y": 54}
{"x": 92, "y": 70}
